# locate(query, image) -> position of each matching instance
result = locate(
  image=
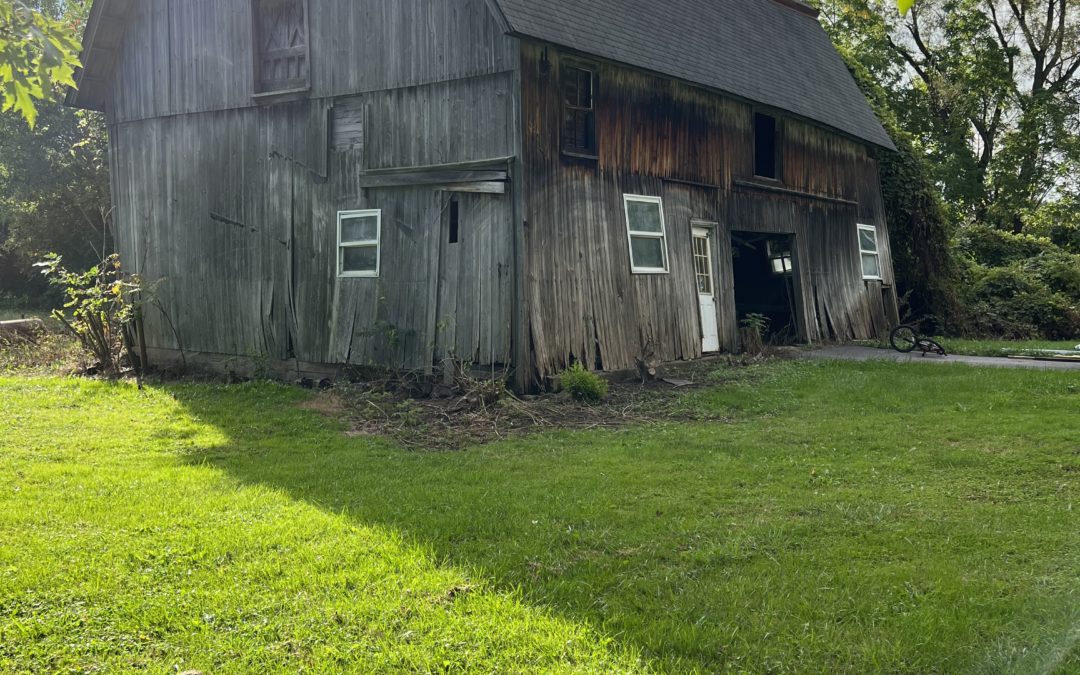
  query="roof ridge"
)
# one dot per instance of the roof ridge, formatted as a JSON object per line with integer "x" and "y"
{"x": 801, "y": 7}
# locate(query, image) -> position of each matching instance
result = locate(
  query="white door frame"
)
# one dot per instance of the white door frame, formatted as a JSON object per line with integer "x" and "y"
{"x": 707, "y": 310}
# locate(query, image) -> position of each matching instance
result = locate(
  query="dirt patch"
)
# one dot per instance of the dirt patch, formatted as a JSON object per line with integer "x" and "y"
{"x": 472, "y": 412}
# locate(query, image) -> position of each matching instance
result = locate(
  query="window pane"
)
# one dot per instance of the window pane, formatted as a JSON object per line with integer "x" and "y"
{"x": 360, "y": 259}
{"x": 644, "y": 217}
{"x": 868, "y": 241}
{"x": 871, "y": 266}
{"x": 364, "y": 228}
{"x": 778, "y": 265}
{"x": 647, "y": 252}
{"x": 577, "y": 87}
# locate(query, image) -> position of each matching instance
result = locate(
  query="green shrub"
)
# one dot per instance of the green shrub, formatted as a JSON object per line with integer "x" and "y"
{"x": 1024, "y": 301}
{"x": 996, "y": 248}
{"x": 1067, "y": 236}
{"x": 1059, "y": 271}
{"x": 1004, "y": 283}
{"x": 584, "y": 385}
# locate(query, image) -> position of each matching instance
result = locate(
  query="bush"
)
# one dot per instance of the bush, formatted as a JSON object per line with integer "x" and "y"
{"x": 102, "y": 309}
{"x": 1067, "y": 236}
{"x": 996, "y": 248}
{"x": 1024, "y": 301}
{"x": 583, "y": 385}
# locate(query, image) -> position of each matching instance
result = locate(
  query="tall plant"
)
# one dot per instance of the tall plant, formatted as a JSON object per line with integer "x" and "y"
{"x": 102, "y": 310}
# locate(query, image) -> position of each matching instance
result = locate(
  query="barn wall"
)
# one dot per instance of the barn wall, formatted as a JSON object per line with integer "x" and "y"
{"x": 695, "y": 149}
{"x": 229, "y": 209}
{"x": 187, "y": 56}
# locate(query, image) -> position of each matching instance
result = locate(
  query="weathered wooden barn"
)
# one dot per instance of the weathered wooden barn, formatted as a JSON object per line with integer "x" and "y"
{"x": 505, "y": 182}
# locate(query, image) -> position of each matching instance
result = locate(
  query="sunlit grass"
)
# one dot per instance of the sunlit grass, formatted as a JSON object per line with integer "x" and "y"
{"x": 852, "y": 517}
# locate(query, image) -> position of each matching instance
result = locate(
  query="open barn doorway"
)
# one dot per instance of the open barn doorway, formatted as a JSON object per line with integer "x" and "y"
{"x": 763, "y": 266}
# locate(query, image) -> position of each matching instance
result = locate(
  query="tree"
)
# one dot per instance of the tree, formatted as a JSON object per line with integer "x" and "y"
{"x": 988, "y": 88}
{"x": 38, "y": 55}
{"x": 54, "y": 187}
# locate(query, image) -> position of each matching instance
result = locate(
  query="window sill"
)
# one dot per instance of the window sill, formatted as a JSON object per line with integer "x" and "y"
{"x": 651, "y": 272}
{"x": 358, "y": 275}
{"x": 580, "y": 155}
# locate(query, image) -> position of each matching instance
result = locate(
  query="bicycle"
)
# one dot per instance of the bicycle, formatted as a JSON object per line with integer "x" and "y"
{"x": 905, "y": 339}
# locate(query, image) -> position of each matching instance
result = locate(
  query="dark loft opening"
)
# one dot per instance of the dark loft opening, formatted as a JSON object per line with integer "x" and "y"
{"x": 455, "y": 220}
{"x": 579, "y": 115}
{"x": 764, "y": 270}
{"x": 765, "y": 162}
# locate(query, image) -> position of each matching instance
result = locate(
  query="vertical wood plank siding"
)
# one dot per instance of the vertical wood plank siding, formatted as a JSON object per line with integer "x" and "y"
{"x": 694, "y": 148}
{"x": 187, "y": 56}
{"x": 230, "y": 208}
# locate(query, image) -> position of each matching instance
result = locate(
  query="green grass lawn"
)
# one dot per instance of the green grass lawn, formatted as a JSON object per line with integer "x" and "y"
{"x": 850, "y": 517}
{"x": 968, "y": 347}
{"x": 1005, "y": 347}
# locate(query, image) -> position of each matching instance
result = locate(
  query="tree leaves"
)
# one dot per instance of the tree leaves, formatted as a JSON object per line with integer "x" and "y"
{"x": 38, "y": 56}
{"x": 905, "y": 5}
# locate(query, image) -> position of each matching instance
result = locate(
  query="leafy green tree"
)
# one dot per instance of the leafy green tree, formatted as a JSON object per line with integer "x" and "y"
{"x": 989, "y": 90}
{"x": 39, "y": 53}
{"x": 54, "y": 187}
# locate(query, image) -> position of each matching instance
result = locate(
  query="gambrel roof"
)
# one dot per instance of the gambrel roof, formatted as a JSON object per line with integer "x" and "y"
{"x": 769, "y": 52}
{"x": 772, "y": 52}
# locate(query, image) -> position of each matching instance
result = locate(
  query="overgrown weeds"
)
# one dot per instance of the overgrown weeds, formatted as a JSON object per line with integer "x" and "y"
{"x": 473, "y": 411}
{"x": 45, "y": 353}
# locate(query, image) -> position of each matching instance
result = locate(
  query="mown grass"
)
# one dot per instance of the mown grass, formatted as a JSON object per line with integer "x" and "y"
{"x": 853, "y": 517}
{"x": 1002, "y": 348}
{"x": 1006, "y": 347}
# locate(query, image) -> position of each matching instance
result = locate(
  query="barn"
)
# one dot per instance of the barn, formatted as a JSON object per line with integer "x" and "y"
{"x": 502, "y": 183}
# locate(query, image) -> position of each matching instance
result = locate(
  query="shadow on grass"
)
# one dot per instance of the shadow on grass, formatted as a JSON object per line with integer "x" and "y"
{"x": 704, "y": 547}
{"x": 585, "y": 525}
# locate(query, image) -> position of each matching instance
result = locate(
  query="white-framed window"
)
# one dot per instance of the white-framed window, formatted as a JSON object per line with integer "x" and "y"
{"x": 780, "y": 257}
{"x": 647, "y": 234}
{"x": 359, "y": 247}
{"x": 869, "y": 251}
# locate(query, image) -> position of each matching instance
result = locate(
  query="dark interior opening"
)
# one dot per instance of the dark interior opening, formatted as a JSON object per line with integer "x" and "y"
{"x": 455, "y": 221}
{"x": 764, "y": 270}
{"x": 765, "y": 146}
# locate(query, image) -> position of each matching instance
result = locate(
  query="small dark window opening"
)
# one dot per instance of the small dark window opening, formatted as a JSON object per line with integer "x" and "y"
{"x": 455, "y": 221}
{"x": 765, "y": 146}
{"x": 579, "y": 113}
{"x": 281, "y": 45}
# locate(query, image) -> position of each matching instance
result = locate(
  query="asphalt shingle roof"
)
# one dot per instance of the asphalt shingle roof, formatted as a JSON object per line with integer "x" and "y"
{"x": 759, "y": 50}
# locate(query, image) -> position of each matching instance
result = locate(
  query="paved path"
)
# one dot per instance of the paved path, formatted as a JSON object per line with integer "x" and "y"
{"x": 848, "y": 353}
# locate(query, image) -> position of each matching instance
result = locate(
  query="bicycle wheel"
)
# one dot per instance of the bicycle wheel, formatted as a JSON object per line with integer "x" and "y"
{"x": 904, "y": 339}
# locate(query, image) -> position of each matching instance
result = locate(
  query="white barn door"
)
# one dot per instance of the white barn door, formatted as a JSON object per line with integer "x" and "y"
{"x": 706, "y": 288}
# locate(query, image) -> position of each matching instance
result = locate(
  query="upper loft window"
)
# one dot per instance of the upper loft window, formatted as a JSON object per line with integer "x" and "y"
{"x": 579, "y": 112}
{"x": 766, "y": 156}
{"x": 281, "y": 46}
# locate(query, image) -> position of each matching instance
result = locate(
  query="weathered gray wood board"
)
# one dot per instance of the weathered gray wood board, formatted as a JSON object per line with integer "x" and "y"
{"x": 186, "y": 56}
{"x": 230, "y": 208}
{"x": 694, "y": 149}
{"x": 228, "y": 201}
